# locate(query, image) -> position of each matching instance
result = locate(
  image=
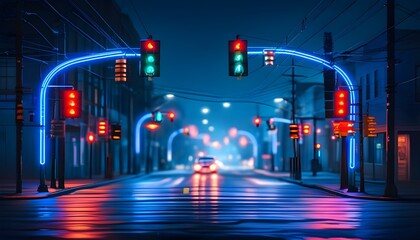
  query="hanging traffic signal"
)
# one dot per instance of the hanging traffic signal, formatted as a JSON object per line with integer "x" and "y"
{"x": 19, "y": 112}
{"x": 157, "y": 116}
{"x": 306, "y": 129}
{"x": 238, "y": 58}
{"x": 121, "y": 70}
{"x": 186, "y": 131}
{"x": 268, "y": 57}
{"x": 294, "y": 131}
{"x": 150, "y": 58}
{"x": 102, "y": 128}
{"x": 270, "y": 124}
{"x": 71, "y": 104}
{"x": 369, "y": 126}
{"x": 171, "y": 116}
{"x": 91, "y": 137}
{"x": 116, "y": 132}
{"x": 257, "y": 121}
{"x": 341, "y": 103}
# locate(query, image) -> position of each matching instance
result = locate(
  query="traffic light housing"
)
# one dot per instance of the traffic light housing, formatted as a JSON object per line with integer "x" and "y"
{"x": 150, "y": 58}
{"x": 294, "y": 131}
{"x": 157, "y": 116}
{"x": 270, "y": 124}
{"x": 186, "y": 131}
{"x": 238, "y": 57}
{"x": 306, "y": 129}
{"x": 121, "y": 70}
{"x": 102, "y": 128}
{"x": 341, "y": 103}
{"x": 268, "y": 57}
{"x": 71, "y": 104}
{"x": 369, "y": 126}
{"x": 257, "y": 121}
{"x": 171, "y": 116}
{"x": 116, "y": 132}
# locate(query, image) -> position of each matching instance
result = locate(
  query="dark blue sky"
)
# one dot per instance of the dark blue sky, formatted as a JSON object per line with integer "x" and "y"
{"x": 194, "y": 41}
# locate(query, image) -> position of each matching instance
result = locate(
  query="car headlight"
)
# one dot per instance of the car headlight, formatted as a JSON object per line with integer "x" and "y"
{"x": 197, "y": 167}
{"x": 213, "y": 167}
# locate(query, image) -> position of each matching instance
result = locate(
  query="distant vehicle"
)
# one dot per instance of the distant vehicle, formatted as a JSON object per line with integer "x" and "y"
{"x": 205, "y": 165}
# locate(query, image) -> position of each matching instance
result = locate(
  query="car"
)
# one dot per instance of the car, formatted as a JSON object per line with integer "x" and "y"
{"x": 205, "y": 164}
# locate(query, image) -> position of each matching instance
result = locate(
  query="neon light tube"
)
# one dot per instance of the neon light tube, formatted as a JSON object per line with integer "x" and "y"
{"x": 170, "y": 140}
{"x": 138, "y": 131}
{"x": 60, "y": 67}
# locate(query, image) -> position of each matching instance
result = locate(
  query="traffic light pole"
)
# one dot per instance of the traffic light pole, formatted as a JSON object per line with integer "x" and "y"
{"x": 390, "y": 188}
{"x": 90, "y": 160}
{"x": 19, "y": 85}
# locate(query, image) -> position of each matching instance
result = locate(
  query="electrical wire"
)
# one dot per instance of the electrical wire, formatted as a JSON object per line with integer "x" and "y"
{"x": 140, "y": 19}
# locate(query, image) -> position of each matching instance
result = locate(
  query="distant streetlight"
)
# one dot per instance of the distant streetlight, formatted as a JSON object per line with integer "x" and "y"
{"x": 205, "y": 110}
{"x": 278, "y": 100}
{"x": 226, "y": 104}
{"x": 169, "y": 96}
{"x": 205, "y": 121}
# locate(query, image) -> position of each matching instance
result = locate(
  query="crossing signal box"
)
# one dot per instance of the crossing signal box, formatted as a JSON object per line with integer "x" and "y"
{"x": 306, "y": 129}
{"x": 116, "y": 132}
{"x": 369, "y": 126}
{"x": 238, "y": 58}
{"x": 150, "y": 58}
{"x": 102, "y": 128}
{"x": 294, "y": 131}
{"x": 268, "y": 57}
{"x": 71, "y": 104}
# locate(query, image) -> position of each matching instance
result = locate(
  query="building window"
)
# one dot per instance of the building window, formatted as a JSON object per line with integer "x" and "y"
{"x": 367, "y": 88}
{"x": 376, "y": 84}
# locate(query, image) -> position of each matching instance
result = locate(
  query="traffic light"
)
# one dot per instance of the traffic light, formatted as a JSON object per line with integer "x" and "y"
{"x": 116, "y": 132}
{"x": 19, "y": 112}
{"x": 257, "y": 121}
{"x": 294, "y": 131}
{"x": 121, "y": 70}
{"x": 306, "y": 129}
{"x": 369, "y": 126}
{"x": 268, "y": 57}
{"x": 186, "y": 131}
{"x": 341, "y": 103}
{"x": 150, "y": 58}
{"x": 238, "y": 58}
{"x": 102, "y": 128}
{"x": 157, "y": 116}
{"x": 171, "y": 116}
{"x": 270, "y": 124}
{"x": 91, "y": 137}
{"x": 71, "y": 104}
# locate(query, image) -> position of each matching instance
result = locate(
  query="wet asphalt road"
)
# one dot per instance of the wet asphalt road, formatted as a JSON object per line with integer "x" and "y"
{"x": 236, "y": 204}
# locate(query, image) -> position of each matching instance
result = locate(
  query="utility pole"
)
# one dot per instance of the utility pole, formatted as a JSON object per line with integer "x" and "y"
{"x": 19, "y": 97}
{"x": 298, "y": 174}
{"x": 390, "y": 187}
{"x": 361, "y": 135}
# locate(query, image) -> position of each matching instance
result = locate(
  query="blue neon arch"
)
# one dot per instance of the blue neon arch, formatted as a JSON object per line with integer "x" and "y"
{"x": 121, "y": 53}
{"x": 58, "y": 69}
{"x": 312, "y": 57}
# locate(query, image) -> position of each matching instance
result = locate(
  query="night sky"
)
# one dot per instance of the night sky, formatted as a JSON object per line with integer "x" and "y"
{"x": 194, "y": 46}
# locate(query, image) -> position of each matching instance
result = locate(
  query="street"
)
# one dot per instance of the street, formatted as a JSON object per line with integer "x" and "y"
{"x": 233, "y": 204}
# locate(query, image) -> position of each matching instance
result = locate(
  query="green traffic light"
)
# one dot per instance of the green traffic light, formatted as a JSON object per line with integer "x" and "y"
{"x": 150, "y": 59}
{"x": 239, "y": 69}
{"x": 150, "y": 70}
{"x": 238, "y": 57}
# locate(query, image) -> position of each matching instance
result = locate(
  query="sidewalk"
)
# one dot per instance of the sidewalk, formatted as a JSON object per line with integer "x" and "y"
{"x": 30, "y": 187}
{"x": 330, "y": 182}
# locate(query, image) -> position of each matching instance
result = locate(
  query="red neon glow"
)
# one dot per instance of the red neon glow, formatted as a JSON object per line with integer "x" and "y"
{"x": 152, "y": 126}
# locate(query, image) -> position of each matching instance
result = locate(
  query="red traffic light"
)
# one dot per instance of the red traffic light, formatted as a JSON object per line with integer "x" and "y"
{"x": 257, "y": 121}
{"x": 102, "y": 128}
{"x": 341, "y": 103}
{"x": 91, "y": 137}
{"x": 71, "y": 104}
{"x": 171, "y": 116}
{"x": 306, "y": 129}
{"x": 318, "y": 146}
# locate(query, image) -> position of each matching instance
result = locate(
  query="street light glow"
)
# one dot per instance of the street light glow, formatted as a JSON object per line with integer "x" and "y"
{"x": 205, "y": 110}
{"x": 226, "y": 104}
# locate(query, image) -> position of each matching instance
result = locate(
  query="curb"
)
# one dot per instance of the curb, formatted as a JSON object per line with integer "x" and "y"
{"x": 72, "y": 189}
